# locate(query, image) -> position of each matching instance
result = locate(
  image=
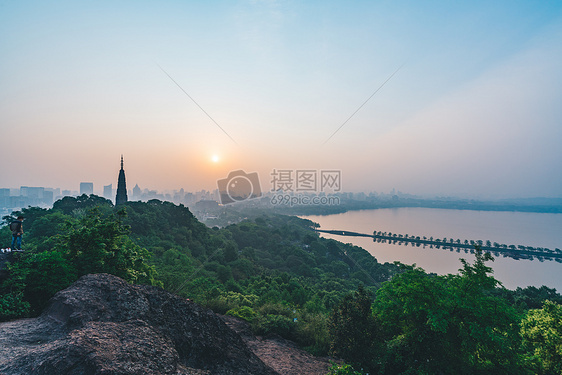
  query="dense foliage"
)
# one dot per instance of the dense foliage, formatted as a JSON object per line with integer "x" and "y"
{"x": 454, "y": 324}
{"x": 276, "y": 273}
{"x": 541, "y": 330}
{"x": 449, "y": 322}
{"x": 271, "y": 270}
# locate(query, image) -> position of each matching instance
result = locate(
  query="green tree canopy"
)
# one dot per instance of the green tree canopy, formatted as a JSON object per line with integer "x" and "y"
{"x": 354, "y": 330}
{"x": 448, "y": 324}
{"x": 541, "y": 330}
{"x": 96, "y": 243}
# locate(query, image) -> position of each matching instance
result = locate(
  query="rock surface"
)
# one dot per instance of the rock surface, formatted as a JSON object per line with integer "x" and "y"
{"x": 281, "y": 355}
{"x": 103, "y": 325}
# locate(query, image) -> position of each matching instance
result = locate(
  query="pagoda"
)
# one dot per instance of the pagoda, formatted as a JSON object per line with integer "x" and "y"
{"x": 121, "y": 196}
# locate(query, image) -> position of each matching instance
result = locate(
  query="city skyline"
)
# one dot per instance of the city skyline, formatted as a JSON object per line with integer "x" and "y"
{"x": 434, "y": 99}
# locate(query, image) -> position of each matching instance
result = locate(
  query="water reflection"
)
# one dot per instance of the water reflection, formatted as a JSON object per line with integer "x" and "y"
{"x": 527, "y": 229}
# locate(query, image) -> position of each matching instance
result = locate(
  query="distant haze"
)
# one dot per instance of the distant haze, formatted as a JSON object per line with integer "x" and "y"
{"x": 475, "y": 109}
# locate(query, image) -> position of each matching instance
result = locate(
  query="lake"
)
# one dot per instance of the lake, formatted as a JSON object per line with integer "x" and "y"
{"x": 510, "y": 228}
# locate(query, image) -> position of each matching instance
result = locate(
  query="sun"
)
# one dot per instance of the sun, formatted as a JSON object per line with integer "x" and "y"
{"x": 215, "y": 158}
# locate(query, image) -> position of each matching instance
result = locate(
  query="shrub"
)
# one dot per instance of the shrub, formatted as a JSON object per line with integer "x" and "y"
{"x": 274, "y": 324}
{"x": 343, "y": 369}
{"x": 246, "y": 313}
{"x": 312, "y": 333}
{"x": 13, "y": 306}
{"x": 219, "y": 304}
{"x": 275, "y": 309}
{"x": 45, "y": 274}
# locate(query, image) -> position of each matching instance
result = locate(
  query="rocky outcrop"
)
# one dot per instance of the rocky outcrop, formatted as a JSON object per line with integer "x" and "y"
{"x": 103, "y": 325}
{"x": 282, "y": 355}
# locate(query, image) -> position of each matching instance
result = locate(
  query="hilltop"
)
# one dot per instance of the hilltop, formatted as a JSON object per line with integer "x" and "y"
{"x": 101, "y": 324}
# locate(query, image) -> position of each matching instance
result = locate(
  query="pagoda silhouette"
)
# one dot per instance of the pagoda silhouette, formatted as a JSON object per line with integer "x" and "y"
{"x": 121, "y": 196}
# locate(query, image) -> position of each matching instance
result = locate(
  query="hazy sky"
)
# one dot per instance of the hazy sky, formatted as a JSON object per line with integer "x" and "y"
{"x": 474, "y": 110}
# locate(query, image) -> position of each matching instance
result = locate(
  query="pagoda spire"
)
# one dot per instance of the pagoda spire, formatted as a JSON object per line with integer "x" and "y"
{"x": 121, "y": 196}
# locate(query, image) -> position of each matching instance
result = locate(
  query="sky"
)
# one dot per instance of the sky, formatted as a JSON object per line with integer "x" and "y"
{"x": 467, "y": 95}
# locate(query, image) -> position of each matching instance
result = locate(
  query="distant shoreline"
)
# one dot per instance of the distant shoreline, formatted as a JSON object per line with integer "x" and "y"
{"x": 534, "y": 205}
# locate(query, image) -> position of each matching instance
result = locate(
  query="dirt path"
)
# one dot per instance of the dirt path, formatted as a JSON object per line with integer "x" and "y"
{"x": 281, "y": 355}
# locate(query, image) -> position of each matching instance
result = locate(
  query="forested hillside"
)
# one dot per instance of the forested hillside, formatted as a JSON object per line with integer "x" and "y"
{"x": 275, "y": 272}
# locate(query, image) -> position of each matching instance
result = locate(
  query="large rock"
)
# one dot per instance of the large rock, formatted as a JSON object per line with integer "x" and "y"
{"x": 103, "y": 325}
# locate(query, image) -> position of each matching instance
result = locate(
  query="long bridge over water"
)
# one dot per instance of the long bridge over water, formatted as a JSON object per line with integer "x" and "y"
{"x": 512, "y": 251}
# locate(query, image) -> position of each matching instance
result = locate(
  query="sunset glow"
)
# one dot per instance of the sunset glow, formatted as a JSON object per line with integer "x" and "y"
{"x": 474, "y": 98}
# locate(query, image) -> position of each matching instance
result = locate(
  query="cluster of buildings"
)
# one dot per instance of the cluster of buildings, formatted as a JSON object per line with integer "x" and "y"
{"x": 15, "y": 199}
{"x": 28, "y": 196}
{"x": 204, "y": 202}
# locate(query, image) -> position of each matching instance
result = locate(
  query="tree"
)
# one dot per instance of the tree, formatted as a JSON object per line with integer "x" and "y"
{"x": 541, "y": 330}
{"x": 70, "y": 205}
{"x": 412, "y": 313}
{"x": 41, "y": 276}
{"x": 354, "y": 334}
{"x": 230, "y": 251}
{"x": 485, "y": 325}
{"x": 454, "y": 323}
{"x": 533, "y": 298}
{"x": 97, "y": 244}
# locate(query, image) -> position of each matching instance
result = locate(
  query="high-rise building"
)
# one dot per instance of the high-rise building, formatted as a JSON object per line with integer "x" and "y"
{"x": 86, "y": 188}
{"x": 55, "y": 191}
{"x": 136, "y": 192}
{"x": 32, "y": 196}
{"x": 121, "y": 196}
{"x": 4, "y": 197}
{"x": 48, "y": 197}
{"x": 108, "y": 191}
{"x": 32, "y": 192}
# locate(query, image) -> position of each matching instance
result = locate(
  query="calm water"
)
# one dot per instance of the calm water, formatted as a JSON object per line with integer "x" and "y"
{"x": 511, "y": 228}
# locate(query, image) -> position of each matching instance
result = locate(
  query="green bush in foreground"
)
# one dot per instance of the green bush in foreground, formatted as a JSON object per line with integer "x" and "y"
{"x": 12, "y": 306}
